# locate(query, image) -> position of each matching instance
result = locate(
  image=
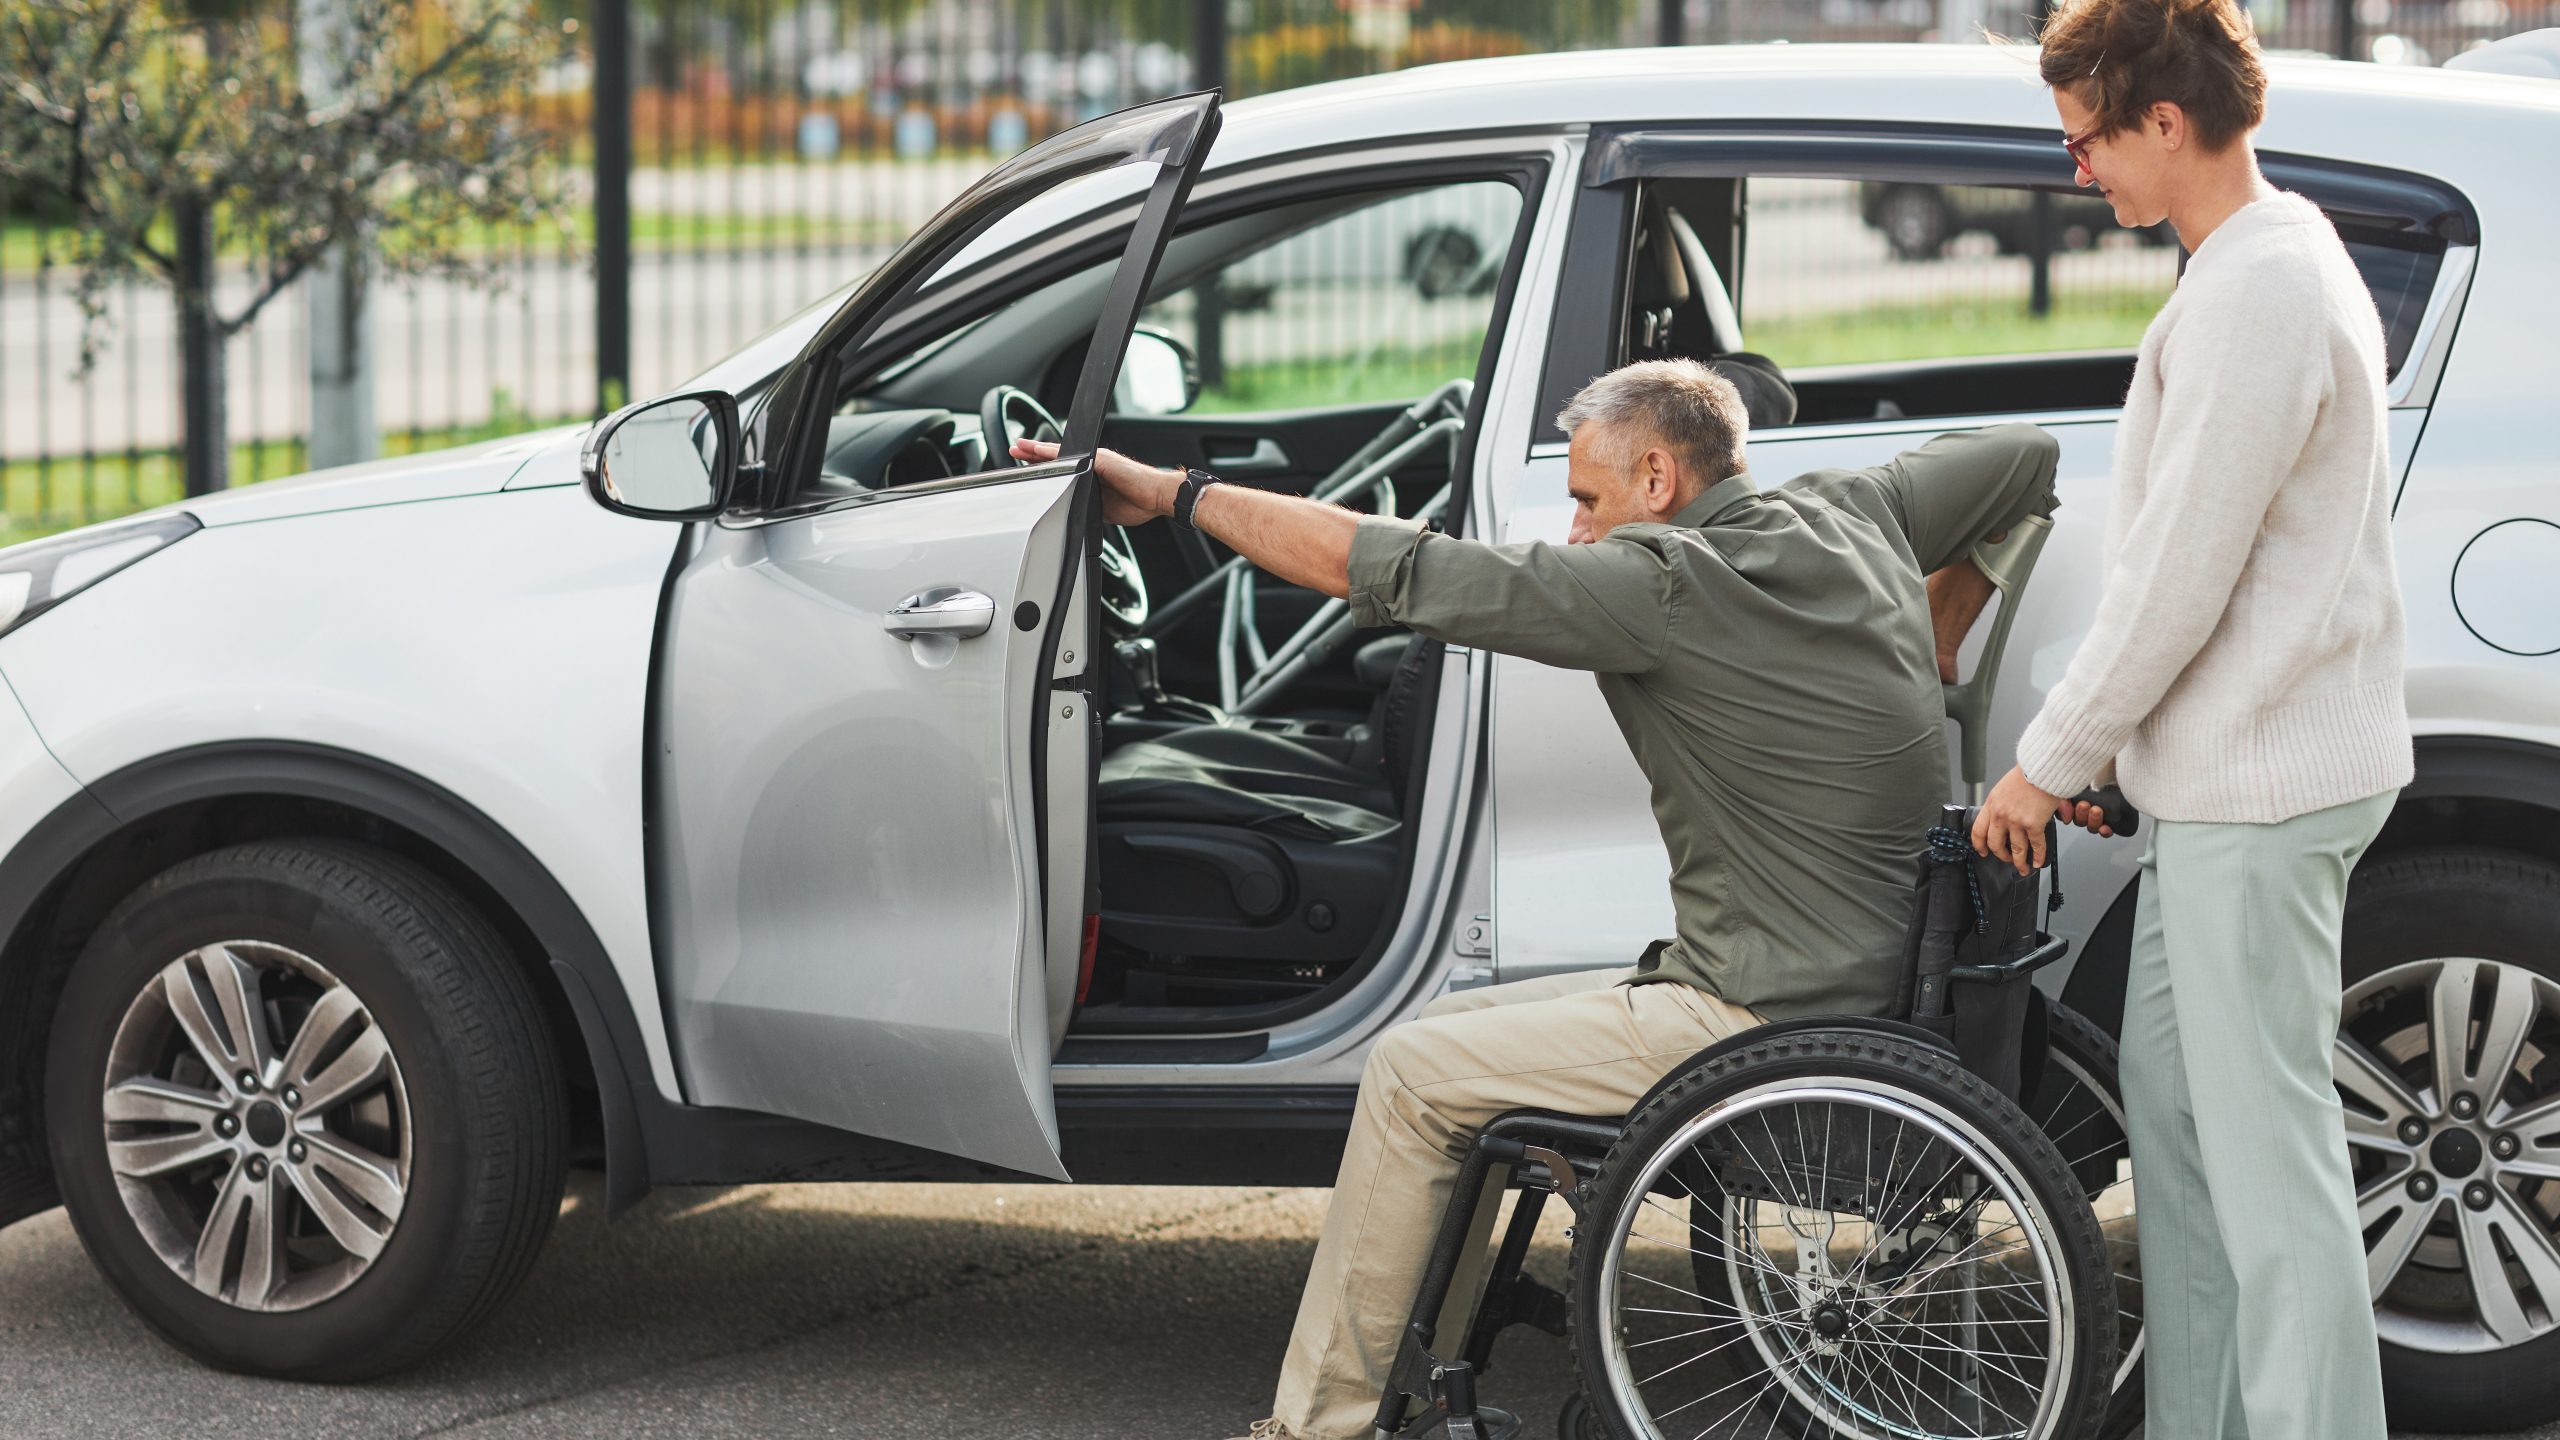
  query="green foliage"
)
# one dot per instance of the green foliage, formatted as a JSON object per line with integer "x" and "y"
{"x": 123, "y": 114}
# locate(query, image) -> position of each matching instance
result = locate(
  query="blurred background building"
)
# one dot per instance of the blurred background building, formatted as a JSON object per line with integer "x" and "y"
{"x": 750, "y": 157}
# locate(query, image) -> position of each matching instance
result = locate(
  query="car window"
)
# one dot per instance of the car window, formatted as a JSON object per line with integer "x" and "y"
{"x": 1344, "y": 300}
{"x": 1378, "y": 295}
{"x": 1846, "y": 272}
{"x": 1839, "y": 274}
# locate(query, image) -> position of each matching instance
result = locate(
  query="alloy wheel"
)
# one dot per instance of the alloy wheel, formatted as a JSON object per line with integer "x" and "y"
{"x": 257, "y": 1126}
{"x": 2449, "y": 1070}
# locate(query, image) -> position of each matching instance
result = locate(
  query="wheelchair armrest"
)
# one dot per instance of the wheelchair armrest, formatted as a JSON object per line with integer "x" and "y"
{"x": 2053, "y": 948}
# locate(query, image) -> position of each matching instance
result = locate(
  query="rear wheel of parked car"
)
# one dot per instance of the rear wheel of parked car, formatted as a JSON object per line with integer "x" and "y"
{"x": 1915, "y": 221}
{"x": 2449, "y": 1063}
{"x": 304, "y": 1111}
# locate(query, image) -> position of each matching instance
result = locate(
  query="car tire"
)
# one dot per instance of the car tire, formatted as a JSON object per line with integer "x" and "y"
{"x": 398, "y": 1200}
{"x": 2405, "y": 912}
{"x": 1915, "y": 221}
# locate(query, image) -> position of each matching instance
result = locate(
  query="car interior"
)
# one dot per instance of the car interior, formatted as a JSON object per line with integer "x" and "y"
{"x": 1259, "y": 758}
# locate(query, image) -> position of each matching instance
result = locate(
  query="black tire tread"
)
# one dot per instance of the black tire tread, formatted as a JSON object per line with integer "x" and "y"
{"x": 490, "y": 1024}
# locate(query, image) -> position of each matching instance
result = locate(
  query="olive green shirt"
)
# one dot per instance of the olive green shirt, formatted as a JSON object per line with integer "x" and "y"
{"x": 1769, "y": 657}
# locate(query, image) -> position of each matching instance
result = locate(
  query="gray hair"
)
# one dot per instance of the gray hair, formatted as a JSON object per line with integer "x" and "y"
{"x": 1681, "y": 405}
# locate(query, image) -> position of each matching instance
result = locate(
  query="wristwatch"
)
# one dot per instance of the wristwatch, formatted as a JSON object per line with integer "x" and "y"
{"x": 1186, "y": 496}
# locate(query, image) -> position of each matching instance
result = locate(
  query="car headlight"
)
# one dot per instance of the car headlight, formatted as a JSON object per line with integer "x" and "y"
{"x": 41, "y": 574}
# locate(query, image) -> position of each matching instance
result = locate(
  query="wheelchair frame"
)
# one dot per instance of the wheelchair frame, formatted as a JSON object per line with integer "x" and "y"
{"x": 1552, "y": 1154}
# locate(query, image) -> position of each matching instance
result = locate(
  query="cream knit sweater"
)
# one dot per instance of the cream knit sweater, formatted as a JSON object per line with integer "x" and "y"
{"x": 2245, "y": 664}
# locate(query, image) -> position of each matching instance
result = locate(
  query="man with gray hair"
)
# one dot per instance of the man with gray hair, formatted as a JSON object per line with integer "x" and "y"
{"x": 1773, "y": 658}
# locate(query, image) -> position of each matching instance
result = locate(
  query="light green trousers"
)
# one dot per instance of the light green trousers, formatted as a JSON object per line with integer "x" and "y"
{"x": 2253, "y": 1268}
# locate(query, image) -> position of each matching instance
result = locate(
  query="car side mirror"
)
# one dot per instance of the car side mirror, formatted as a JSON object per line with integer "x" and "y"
{"x": 1158, "y": 376}
{"x": 673, "y": 458}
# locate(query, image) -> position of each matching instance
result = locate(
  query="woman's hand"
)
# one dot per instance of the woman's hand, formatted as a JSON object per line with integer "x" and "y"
{"x": 2010, "y": 824}
{"x": 1132, "y": 494}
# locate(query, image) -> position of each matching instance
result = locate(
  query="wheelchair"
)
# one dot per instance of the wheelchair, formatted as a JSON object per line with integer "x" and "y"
{"x": 1906, "y": 1228}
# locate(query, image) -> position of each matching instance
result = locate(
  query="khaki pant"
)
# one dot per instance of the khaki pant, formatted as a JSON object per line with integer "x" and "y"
{"x": 2257, "y": 1320}
{"x": 1583, "y": 1044}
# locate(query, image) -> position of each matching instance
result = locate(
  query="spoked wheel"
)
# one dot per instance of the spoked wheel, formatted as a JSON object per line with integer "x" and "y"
{"x": 2079, "y": 1104}
{"x": 1839, "y": 1233}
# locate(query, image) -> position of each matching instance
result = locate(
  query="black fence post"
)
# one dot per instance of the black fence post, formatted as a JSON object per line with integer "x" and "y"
{"x": 2346, "y": 29}
{"x": 1208, "y": 298}
{"x": 2040, "y": 246}
{"x": 613, "y": 203}
{"x": 1671, "y": 18}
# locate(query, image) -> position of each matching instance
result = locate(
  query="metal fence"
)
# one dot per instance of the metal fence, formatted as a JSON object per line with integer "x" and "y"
{"x": 773, "y": 151}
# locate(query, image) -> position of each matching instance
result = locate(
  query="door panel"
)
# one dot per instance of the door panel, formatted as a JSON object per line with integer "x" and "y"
{"x": 845, "y": 805}
{"x": 874, "y": 710}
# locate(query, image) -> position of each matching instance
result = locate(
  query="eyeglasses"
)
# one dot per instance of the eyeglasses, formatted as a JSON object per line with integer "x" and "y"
{"x": 2077, "y": 146}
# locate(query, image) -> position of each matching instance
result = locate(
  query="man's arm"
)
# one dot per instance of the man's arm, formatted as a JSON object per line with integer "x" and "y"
{"x": 1584, "y": 607}
{"x": 1950, "y": 495}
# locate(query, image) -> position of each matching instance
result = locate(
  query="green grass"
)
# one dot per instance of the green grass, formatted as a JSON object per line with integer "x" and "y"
{"x": 1942, "y": 329}
{"x": 41, "y": 499}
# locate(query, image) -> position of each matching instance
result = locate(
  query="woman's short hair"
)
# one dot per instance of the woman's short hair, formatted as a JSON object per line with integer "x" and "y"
{"x": 1680, "y": 405}
{"x": 2121, "y": 57}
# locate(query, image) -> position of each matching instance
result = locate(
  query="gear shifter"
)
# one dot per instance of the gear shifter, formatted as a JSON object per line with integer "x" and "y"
{"x": 1139, "y": 657}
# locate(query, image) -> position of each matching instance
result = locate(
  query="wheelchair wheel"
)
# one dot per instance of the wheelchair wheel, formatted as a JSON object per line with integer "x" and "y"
{"x": 1897, "y": 1253}
{"x": 2079, "y": 1105}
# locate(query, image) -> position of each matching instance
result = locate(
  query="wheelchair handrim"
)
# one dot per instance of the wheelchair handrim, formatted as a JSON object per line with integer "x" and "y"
{"x": 1969, "y": 1143}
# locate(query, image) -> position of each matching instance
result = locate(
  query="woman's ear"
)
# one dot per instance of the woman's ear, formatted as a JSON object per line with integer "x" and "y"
{"x": 2167, "y": 120}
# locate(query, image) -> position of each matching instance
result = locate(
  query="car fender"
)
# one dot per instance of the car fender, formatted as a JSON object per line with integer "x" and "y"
{"x": 493, "y": 649}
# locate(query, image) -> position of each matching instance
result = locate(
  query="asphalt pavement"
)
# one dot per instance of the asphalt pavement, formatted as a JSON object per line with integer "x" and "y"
{"x": 1032, "y": 1313}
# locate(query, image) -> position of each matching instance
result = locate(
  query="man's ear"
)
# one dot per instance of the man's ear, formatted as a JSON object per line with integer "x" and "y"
{"x": 1660, "y": 476}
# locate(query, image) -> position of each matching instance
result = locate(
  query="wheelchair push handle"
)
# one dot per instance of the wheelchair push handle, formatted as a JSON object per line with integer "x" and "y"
{"x": 2120, "y": 816}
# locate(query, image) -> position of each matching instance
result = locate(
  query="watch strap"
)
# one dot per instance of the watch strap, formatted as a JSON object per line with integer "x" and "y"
{"x": 1186, "y": 496}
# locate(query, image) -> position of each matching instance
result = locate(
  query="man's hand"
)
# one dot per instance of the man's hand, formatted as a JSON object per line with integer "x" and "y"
{"x": 1956, "y": 597}
{"x": 2010, "y": 824}
{"x": 1132, "y": 494}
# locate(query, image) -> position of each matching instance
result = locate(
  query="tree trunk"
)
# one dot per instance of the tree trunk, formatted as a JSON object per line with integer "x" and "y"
{"x": 200, "y": 378}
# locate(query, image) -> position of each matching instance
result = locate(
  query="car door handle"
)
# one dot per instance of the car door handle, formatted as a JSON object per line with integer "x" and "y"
{"x": 1265, "y": 458}
{"x": 942, "y": 611}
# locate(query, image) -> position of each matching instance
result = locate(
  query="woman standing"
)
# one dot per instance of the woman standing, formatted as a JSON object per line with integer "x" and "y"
{"x": 2243, "y": 681}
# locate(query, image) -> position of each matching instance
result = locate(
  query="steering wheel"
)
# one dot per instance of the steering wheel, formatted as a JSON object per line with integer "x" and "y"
{"x": 1118, "y": 587}
{"x": 1009, "y": 413}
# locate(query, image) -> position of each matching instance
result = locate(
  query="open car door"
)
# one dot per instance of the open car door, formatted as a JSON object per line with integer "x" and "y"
{"x": 873, "y": 709}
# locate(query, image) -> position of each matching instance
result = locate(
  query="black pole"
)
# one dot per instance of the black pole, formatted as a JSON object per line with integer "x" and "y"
{"x": 613, "y": 203}
{"x": 1208, "y": 299}
{"x": 1670, "y": 22}
{"x": 200, "y": 352}
{"x": 2346, "y": 29}
{"x": 2040, "y": 243}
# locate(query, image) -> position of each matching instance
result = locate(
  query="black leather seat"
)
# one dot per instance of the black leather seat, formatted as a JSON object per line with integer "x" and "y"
{"x": 1226, "y": 842}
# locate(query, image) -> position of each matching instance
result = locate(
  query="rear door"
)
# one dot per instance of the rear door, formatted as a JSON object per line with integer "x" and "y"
{"x": 873, "y": 714}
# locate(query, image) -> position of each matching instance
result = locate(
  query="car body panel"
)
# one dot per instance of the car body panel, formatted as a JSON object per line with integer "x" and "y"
{"x": 495, "y": 645}
{"x": 850, "y": 849}
{"x": 32, "y": 782}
